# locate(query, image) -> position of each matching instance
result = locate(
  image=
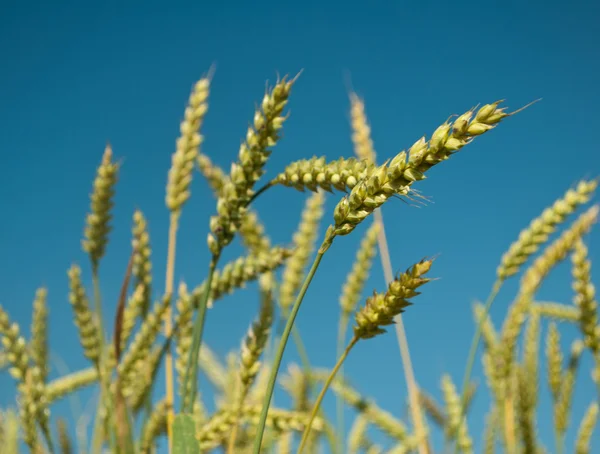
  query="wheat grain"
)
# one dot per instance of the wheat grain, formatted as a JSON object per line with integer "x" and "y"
{"x": 380, "y": 309}
{"x": 310, "y": 174}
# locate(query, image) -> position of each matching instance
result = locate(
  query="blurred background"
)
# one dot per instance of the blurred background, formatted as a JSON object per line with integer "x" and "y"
{"x": 76, "y": 75}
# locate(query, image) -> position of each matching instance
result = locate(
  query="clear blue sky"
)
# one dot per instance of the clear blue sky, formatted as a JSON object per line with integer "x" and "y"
{"x": 77, "y": 75}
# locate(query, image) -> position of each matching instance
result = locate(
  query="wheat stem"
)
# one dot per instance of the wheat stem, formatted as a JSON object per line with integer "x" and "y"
{"x": 170, "y": 273}
{"x": 98, "y": 434}
{"x": 328, "y": 382}
{"x": 473, "y": 352}
{"x": 339, "y": 402}
{"x": 191, "y": 374}
{"x": 282, "y": 343}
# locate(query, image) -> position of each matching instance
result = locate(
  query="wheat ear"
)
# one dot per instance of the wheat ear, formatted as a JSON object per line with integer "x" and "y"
{"x": 379, "y": 311}
{"x": 177, "y": 193}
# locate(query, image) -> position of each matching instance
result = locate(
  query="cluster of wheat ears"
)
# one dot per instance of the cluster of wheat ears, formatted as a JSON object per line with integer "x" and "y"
{"x": 125, "y": 360}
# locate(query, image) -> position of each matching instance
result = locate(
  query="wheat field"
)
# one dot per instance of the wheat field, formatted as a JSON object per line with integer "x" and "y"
{"x": 149, "y": 360}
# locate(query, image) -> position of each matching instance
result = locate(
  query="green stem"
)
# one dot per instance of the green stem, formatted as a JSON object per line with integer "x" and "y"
{"x": 281, "y": 347}
{"x": 329, "y": 432}
{"x": 261, "y": 190}
{"x": 472, "y": 353}
{"x": 339, "y": 402}
{"x": 319, "y": 400}
{"x": 191, "y": 374}
{"x": 98, "y": 435}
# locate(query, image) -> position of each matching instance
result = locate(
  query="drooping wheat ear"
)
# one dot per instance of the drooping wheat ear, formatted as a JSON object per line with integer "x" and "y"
{"x": 155, "y": 427}
{"x": 554, "y": 360}
{"x": 142, "y": 264}
{"x": 541, "y": 227}
{"x": 60, "y": 387}
{"x": 532, "y": 279}
{"x": 585, "y": 298}
{"x": 253, "y": 155}
{"x": 454, "y": 429}
{"x": 132, "y": 311}
{"x": 15, "y": 347}
{"x": 562, "y": 408}
{"x": 251, "y": 351}
{"x": 381, "y": 309}
{"x": 397, "y": 176}
{"x": 355, "y": 281}
{"x": 314, "y": 173}
{"x": 361, "y": 131}
{"x": 98, "y": 220}
{"x": 586, "y": 429}
{"x": 526, "y": 407}
{"x": 145, "y": 337}
{"x": 304, "y": 245}
{"x": 188, "y": 144}
{"x": 490, "y": 336}
{"x": 558, "y": 312}
{"x": 39, "y": 332}
{"x": 236, "y": 274}
{"x": 89, "y": 335}
{"x": 216, "y": 178}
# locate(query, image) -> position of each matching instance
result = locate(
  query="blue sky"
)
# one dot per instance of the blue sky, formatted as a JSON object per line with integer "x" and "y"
{"x": 76, "y": 75}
